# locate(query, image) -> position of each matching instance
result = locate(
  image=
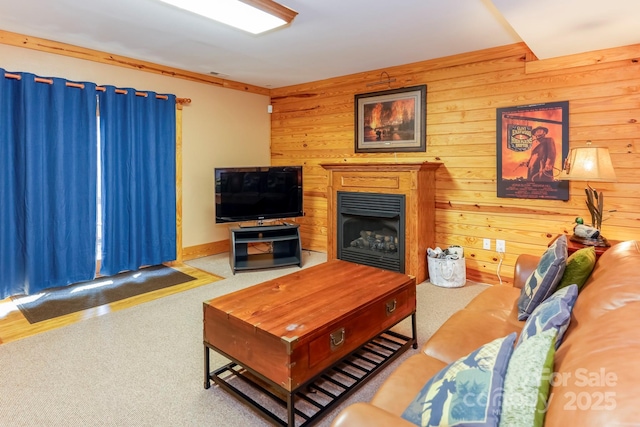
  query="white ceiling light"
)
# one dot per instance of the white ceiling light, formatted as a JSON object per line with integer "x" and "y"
{"x": 254, "y": 16}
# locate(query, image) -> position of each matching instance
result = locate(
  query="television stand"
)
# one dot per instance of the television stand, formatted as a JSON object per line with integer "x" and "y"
{"x": 284, "y": 240}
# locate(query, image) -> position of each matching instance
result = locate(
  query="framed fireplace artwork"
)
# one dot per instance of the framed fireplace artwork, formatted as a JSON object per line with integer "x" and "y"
{"x": 391, "y": 121}
{"x": 532, "y": 141}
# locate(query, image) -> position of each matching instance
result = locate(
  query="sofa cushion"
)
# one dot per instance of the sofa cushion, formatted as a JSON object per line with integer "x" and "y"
{"x": 465, "y": 331}
{"x": 526, "y": 383}
{"x": 494, "y": 298}
{"x": 366, "y": 414}
{"x": 554, "y": 313}
{"x": 579, "y": 267}
{"x": 544, "y": 280}
{"x": 466, "y": 392}
{"x": 500, "y": 302}
{"x": 405, "y": 382}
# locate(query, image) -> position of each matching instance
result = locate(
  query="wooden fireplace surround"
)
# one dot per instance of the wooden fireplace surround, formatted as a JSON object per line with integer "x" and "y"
{"x": 415, "y": 180}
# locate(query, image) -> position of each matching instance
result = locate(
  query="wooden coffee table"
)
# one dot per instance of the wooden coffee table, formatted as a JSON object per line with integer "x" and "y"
{"x": 307, "y": 340}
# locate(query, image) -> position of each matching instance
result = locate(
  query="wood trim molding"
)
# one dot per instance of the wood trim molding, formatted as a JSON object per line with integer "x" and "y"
{"x": 179, "y": 183}
{"x": 380, "y": 167}
{"x": 404, "y": 74}
{"x": 49, "y": 46}
{"x": 206, "y": 249}
{"x": 624, "y": 53}
{"x": 273, "y": 8}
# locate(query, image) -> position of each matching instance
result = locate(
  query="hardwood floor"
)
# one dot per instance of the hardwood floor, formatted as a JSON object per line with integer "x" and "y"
{"x": 14, "y": 326}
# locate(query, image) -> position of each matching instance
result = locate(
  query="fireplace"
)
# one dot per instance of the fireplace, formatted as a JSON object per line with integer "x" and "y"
{"x": 411, "y": 185}
{"x": 371, "y": 229}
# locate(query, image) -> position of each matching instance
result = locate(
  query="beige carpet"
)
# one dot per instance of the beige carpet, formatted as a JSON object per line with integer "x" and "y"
{"x": 143, "y": 366}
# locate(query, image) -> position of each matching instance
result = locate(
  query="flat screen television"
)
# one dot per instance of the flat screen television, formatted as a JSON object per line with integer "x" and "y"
{"x": 258, "y": 193}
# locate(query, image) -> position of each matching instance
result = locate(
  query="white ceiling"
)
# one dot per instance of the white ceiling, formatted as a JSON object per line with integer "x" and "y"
{"x": 328, "y": 38}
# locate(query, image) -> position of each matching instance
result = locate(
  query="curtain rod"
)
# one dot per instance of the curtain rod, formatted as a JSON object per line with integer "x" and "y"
{"x": 180, "y": 101}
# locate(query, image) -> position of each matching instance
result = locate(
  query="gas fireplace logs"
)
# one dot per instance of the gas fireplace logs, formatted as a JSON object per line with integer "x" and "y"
{"x": 376, "y": 241}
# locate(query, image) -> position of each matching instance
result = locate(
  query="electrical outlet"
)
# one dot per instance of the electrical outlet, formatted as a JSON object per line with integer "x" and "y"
{"x": 486, "y": 244}
{"x": 500, "y": 246}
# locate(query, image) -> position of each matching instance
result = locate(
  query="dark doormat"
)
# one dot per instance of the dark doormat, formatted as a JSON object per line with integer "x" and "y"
{"x": 55, "y": 302}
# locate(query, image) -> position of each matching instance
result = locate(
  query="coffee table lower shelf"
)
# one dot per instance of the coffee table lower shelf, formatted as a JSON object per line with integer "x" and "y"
{"x": 306, "y": 405}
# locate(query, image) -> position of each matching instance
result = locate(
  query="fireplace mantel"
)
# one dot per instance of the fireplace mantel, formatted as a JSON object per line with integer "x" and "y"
{"x": 380, "y": 167}
{"x": 415, "y": 180}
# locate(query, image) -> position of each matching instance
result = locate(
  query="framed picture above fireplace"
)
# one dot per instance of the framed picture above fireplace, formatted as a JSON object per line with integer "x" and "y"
{"x": 391, "y": 120}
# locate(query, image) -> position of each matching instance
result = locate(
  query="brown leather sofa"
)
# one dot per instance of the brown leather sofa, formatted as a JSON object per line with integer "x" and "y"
{"x": 596, "y": 380}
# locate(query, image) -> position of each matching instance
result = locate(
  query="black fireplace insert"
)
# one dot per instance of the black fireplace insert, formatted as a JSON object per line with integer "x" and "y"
{"x": 371, "y": 228}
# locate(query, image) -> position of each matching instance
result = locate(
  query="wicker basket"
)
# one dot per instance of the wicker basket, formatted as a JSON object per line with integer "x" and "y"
{"x": 448, "y": 273}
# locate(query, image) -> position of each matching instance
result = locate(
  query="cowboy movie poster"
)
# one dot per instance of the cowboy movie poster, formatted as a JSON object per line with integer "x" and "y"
{"x": 532, "y": 142}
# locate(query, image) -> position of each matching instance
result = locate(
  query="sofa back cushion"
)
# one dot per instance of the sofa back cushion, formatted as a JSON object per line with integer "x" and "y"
{"x": 597, "y": 367}
{"x": 597, "y": 372}
{"x": 614, "y": 282}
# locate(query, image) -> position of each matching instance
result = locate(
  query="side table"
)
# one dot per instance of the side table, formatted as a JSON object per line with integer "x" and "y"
{"x": 574, "y": 246}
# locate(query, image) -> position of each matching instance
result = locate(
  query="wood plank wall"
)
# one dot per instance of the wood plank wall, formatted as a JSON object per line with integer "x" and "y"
{"x": 313, "y": 123}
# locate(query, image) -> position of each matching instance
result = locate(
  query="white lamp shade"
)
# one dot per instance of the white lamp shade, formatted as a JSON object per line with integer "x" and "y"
{"x": 588, "y": 164}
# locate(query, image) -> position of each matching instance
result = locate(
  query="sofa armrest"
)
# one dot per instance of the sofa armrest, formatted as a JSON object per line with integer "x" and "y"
{"x": 525, "y": 265}
{"x": 365, "y": 415}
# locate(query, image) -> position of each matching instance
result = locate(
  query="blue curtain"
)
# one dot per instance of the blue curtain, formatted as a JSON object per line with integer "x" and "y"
{"x": 138, "y": 135}
{"x": 47, "y": 184}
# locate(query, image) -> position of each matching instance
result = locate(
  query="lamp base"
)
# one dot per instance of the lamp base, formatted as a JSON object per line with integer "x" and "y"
{"x": 599, "y": 241}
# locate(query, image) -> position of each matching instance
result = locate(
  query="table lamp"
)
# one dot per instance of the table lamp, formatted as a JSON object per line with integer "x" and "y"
{"x": 590, "y": 164}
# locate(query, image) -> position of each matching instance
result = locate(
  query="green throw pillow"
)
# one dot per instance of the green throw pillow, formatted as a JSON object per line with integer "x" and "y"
{"x": 579, "y": 267}
{"x": 526, "y": 383}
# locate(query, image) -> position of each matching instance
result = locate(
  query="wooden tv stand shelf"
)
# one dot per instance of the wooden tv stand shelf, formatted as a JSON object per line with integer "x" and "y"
{"x": 285, "y": 247}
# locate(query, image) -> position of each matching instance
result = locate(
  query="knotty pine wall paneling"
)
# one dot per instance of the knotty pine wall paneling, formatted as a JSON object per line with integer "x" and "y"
{"x": 313, "y": 123}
